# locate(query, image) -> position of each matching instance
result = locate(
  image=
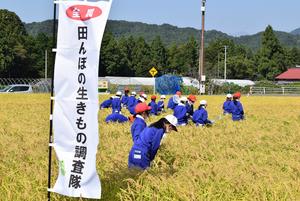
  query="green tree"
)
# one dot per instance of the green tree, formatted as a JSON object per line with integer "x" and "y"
{"x": 12, "y": 50}
{"x": 141, "y": 61}
{"x": 175, "y": 59}
{"x": 270, "y": 58}
{"x": 191, "y": 55}
{"x": 109, "y": 56}
{"x": 158, "y": 54}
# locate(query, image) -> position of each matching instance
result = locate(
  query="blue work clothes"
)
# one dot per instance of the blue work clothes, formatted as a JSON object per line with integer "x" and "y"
{"x": 237, "y": 110}
{"x": 154, "y": 107}
{"x": 106, "y": 104}
{"x": 137, "y": 127}
{"x": 116, "y": 117}
{"x": 200, "y": 117}
{"x": 227, "y": 107}
{"x": 145, "y": 148}
{"x": 180, "y": 112}
{"x": 171, "y": 103}
{"x": 189, "y": 109}
{"x": 116, "y": 105}
{"x": 132, "y": 102}
{"x": 160, "y": 106}
{"x": 125, "y": 100}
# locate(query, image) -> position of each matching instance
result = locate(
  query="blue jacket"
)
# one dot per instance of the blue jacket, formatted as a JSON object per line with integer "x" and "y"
{"x": 237, "y": 110}
{"x": 125, "y": 100}
{"x": 116, "y": 117}
{"x": 137, "y": 127}
{"x": 226, "y": 107}
{"x": 131, "y": 104}
{"x": 171, "y": 103}
{"x": 106, "y": 104}
{"x": 180, "y": 113}
{"x": 160, "y": 105}
{"x": 145, "y": 148}
{"x": 189, "y": 109}
{"x": 116, "y": 105}
{"x": 200, "y": 117}
{"x": 154, "y": 107}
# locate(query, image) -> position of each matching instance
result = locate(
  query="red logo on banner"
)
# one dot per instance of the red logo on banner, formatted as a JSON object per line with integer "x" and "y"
{"x": 83, "y": 12}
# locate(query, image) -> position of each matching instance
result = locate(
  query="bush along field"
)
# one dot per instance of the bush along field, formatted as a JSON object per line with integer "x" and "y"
{"x": 257, "y": 159}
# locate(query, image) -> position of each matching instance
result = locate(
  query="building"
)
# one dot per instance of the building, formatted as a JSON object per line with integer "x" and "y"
{"x": 289, "y": 76}
{"x": 241, "y": 83}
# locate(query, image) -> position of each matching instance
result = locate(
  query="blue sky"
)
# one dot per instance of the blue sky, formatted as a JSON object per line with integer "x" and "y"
{"x": 230, "y": 16}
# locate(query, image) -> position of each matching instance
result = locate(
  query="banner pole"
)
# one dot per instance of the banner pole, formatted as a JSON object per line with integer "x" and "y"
{"x": 51, "y": 103}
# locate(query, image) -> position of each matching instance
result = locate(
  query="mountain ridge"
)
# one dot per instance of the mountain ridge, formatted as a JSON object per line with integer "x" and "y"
{"x": 172, "y": 34}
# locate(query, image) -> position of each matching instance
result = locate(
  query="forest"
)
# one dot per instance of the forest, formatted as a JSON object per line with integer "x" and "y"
{"x": 22, "y": 52}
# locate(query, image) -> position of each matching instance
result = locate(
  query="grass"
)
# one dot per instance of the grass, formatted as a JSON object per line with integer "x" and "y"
{"x": 257, "y": 159}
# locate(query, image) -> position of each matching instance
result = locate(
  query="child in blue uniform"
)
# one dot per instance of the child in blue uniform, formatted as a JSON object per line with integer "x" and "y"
{"x": 173, "y": 101}
{"x": 116, "y": 117}
{"x": 237, "y": 107}
{"x": 226, "y": 104}
{"x": 161, "y": 104}
{"x": 116, "y": 102}
{"x": 180, "y": 112}
{"x": 190, "y": 105}
{"x": 153, "y": 105}
{"x": 146, "y": 146}
{"x": 132, "y": 101}
{"x": 106, "y": 103}
{"x": 200, "y": 117}
{"x": 125, "y": 98}
{"x": 141, "y": 113}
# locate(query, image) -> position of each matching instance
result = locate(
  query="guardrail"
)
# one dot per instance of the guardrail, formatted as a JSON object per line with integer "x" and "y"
{"x": 275, "y": 91}
{"x": 38, "y": 85}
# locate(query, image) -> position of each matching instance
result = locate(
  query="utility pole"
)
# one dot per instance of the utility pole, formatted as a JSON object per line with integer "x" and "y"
{"x": 201, "y": 52}
{"x": 46, "y": 64}
{"x": 225, "y": 62}
{"x": 218, "y": 74}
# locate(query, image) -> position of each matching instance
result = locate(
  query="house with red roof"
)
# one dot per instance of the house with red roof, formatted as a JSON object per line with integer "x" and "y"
{"x": 291, "y": 75}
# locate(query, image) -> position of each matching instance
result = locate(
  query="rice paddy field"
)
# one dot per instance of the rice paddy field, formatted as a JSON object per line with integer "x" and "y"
{"x": 257, "y": 159}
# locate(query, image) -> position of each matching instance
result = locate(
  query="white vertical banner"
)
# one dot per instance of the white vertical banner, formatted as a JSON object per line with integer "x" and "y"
{"x": 81, "y": 26}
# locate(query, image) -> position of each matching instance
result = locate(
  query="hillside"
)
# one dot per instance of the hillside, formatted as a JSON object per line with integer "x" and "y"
{"x": 296, "y": 32}
{"x": 171, "y": 34}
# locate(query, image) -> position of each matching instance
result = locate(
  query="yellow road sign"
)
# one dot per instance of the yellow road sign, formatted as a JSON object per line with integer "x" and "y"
{"x": 153, "y": 71}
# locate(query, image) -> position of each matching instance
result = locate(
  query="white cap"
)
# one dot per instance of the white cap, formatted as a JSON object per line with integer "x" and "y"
{"x": 172, "y": 120}
{"x": 144, "y": 96}
{"x": 228, "y": 96}
{"x": 176, "y": 99}
{"x": 183, "y": 99}
{"x": 141, "y": 99}
{"x": 119, "y": 93}
{"x": 133, "y": 93}
{"x": 203, "y": 102}
{"x": 162, "y": 96}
